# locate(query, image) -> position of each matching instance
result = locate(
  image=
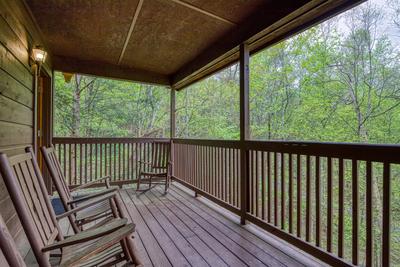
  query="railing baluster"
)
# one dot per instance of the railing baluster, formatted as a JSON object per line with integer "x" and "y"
{"x": 251, "y": 184}
{"x": 96, "y": 161}
{"x": 369, "y": 216}
{"x": 75, "y": 162}
{"x": 283, "y": 195}
{"x": 355, "y": 211}
{"x": 216, "y": 165}
{"x": 86, "y": 162}
{"x": 101, "y": 159}
{"x": 276, "y": 189}
{"x": 263, "y": 207}
{"x": 91, "y": 162}
{"x": 299, "y": 193}
{"x": 231, "y": 176}
{"x": 224, "y": 164}
{"x": 317, "y": 202}
{"x": 308, "y": 198}
{"x": 120, "y": 161}
{"x": 80, "y": 163}
{"x": 124, "y": 161}
{"x": 386, "y": 211}
{"x": 257, "y": 181}
{"x": 341, "y": 210}
{"x": 269, "y": 191}
{"x": 70, "y": 164}
{"x": 110, "y": 161}
{"x": 329, "y": 208}
{"x": 115, "y": 162}
{"x": 209, "y": 169}
{"x": 65, "y": 162}
{"x": 290, "y": 193}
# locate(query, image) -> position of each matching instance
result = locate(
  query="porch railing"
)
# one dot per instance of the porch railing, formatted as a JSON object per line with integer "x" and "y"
{"x": 332, "y": 200}
{"x": 85, "y": 159}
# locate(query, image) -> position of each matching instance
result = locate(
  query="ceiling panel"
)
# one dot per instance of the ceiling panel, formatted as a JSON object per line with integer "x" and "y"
{"x": 88, "y": 30}
{"x": 232, "y": 10}
{"x": 167, "y": 35}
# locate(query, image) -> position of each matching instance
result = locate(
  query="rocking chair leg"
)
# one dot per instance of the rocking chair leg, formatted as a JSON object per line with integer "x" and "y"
{"x": 138, "y": 184}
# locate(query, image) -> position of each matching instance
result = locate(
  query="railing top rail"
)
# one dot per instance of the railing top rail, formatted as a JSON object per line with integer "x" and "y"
{"x": 208, "y": 142}
{"x": 367, "y": 152}
{"x": 105, "y": 140}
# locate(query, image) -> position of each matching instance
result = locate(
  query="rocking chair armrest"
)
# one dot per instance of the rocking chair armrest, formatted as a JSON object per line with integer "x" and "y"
{"x": 88, "y": 235}
{"x": 94, "y": 195}
{"x": 97, "y": 181}
{"x": 87, "y": 205}
{"x": 100, "y": 245}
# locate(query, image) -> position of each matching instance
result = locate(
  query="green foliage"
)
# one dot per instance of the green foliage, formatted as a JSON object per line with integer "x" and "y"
{"x": 95, "y": 107}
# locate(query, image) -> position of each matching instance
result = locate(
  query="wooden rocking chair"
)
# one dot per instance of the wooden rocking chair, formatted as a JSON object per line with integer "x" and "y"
{"x": 79, "y": 219}
{"x": 158, "y": 171}
{"x": 9, "y": 255}
{"x": 104, "y": 245}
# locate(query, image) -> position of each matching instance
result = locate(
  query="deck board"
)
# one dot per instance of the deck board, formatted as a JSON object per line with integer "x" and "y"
{"x": 258, "y": 247}
{"x": 190, "y": 233}
{"x": 177, "y": 229}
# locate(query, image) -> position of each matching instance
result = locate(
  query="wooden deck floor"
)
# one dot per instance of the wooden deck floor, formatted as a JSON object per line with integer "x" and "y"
{"x": 177, "y": 229}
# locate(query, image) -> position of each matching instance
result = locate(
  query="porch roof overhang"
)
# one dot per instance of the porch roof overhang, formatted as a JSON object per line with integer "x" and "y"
{"x": 168, "y": 42}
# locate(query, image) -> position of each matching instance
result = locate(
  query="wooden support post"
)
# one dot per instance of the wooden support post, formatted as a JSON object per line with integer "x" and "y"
{"x": 172, "y": 128}
{"x": 244, "y": 130}
{"x": 172, "y": 114}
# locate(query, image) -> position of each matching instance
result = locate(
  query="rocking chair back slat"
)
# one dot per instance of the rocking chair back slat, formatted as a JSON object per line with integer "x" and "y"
{"x": 28, "y": 193}
{"x": 160, "y": 155}
{"x": 55, "y": 170}
{"x": 54, "y": 167}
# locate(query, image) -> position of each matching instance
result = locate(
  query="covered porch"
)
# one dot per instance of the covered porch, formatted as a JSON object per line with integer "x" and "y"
{"x": 233, "y": 202}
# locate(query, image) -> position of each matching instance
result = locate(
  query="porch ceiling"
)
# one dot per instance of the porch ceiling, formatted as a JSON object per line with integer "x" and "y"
{"x": 169, "y": 42}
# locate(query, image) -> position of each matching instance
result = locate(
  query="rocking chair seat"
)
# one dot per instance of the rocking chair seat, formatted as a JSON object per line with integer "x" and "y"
{"x": 115, "y": 250}
{"x": 87, "y": 214}
{"x": 96, "y": 251}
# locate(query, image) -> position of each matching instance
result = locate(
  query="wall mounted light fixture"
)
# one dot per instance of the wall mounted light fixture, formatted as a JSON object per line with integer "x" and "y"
{"x": 39, "y": 55}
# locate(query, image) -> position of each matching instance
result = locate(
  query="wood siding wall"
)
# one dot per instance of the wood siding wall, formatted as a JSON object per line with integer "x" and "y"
{"x": 17, "y": 35}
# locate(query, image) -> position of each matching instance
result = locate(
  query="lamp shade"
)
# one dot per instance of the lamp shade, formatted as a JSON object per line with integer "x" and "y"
{"x": 39, "y": 55}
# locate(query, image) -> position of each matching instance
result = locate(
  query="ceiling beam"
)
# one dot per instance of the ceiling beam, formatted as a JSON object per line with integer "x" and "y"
{"x": 107, "y": 70}
{"x": 270, "y": 21}
{"x": 205, "y": 12}
{"x": 133, "y": 23}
